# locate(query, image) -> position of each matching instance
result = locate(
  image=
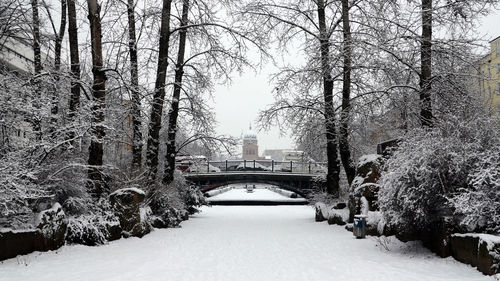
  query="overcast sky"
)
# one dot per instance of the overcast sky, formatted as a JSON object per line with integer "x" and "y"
{"x": 239, "y": 103}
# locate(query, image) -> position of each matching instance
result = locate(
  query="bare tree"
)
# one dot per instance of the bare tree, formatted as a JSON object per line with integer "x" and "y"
{"x": 426, "y": 64}
{"x": 59, "y": 35}
{"x": 345, "y": 150}
{"x": 333, "y": 173}
{"x": 74, "y": 99}
{"x": 134, "y": 81}
{"x": 317, "y": 32}
{"x": 159, "y": 92}
{"x": 37, "y": 123}
{"x": 173, "y": 113}
{"x": 97, "y": 185}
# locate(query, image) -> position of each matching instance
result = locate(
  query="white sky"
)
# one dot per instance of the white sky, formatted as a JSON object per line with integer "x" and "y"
{"x": 238, "y": 104}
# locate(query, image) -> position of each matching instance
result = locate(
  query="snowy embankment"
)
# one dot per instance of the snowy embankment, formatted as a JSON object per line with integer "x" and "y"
{"x": 243, "y": 243}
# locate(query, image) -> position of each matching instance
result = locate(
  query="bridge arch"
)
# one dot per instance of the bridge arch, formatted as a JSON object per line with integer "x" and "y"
{"x": 298, "y": 183}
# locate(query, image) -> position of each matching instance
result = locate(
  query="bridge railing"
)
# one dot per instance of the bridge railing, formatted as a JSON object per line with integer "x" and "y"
{"x": 269, "y": 166}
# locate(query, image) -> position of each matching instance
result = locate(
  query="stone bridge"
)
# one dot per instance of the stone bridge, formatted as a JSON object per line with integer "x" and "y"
{"x": 300, "y": 183}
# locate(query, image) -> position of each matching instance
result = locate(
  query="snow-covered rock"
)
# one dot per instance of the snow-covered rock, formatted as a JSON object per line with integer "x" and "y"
{"x": 321, "y": 211}
{"x": 365, "y": 184}
{"x": 52, "y": 224}
{"x": 338, "y": 216}
{"x": 126, "y": 204}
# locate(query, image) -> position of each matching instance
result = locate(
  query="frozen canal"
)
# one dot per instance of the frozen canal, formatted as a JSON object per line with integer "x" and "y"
{"x": 242, "y": 243}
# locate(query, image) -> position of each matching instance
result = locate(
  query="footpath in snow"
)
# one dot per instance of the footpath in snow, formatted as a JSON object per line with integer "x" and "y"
{"x": 231, "y": 243}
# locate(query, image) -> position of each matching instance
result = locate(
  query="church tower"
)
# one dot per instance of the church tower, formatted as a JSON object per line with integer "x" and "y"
{"x": 250, "y": 146}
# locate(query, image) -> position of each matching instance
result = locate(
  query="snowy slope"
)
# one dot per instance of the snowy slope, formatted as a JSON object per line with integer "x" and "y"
{"x": 242, "y": 243}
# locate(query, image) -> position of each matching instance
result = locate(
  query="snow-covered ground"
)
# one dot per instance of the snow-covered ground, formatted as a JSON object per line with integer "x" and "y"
{"x": 258, "y": 194}
{"x": 242, "y": 243}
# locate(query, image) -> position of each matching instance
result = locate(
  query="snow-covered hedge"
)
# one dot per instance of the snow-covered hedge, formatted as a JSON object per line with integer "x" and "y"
{"x": 453, "y": 168}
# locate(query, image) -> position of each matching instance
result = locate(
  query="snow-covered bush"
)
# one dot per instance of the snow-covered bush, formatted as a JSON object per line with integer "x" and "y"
{"x": 479, "y": 203}
{"x": 174, "y": 203}
{"x": 18, "y": 188}
{"x": 436, "y": 172}
{"x": 94, "y": 227}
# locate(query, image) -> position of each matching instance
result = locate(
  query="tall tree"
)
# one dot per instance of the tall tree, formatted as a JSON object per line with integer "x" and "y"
{"x": 426, "y": 64}
{"x": 97, "y": 185}
{"x": 159, "y": 92}
{"x": 173, "y": 113}
{"x": 134, "y": 82}
{"x": 37, "y": 126}
{"x": 345, "y": 150}
{"x": 333, "y": 173}
{"x": 74, "y": 100}
{"x": 59, "y": 36}
{"x": 314, "y": 22}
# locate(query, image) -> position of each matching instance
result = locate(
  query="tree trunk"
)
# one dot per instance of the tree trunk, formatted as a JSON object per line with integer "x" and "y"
{"x": 159, "y": 94}
{"x": 345, "y": 151}
{"x": 134, "y": 81}
{"x": 74, "y": 100}
{"x": 57, "y": 63}
{"x": 332, "y": 177}
{"x": 426, "y": 65}
{"x": 97, "y": 186}
{"x": 174, "y": 109}
{"x": 37, "y": 128}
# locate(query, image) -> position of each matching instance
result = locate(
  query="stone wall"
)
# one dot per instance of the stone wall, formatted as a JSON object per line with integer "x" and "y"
{"x": 48, "y": 235}
{"x": 479, "y": 250}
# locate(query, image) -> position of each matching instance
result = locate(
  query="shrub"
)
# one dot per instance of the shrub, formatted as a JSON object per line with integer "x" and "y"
{"x": 437, "y": 172}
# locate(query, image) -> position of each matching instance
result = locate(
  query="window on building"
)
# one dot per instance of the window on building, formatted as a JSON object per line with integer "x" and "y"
{"x": 498, "y": 68}
{"x": 498, "y": 88}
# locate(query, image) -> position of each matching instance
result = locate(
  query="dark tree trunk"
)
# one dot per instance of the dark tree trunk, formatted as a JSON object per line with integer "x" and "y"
{"x": 57, "y": 62}
{"x": 332, "y": 177}
{"x": 426, "y": 65}
{"x": 345, "y": 151}
{"x": 97, "y": 186}
{"x": 134, "y": 81}
{"x": 159, "y": 94}
{"x": 74, "y": 100}
{"x": 174, "y": 109}
{"x": 37, "y": 127}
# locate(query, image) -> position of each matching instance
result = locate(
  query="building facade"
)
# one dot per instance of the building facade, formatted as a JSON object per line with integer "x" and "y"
{"x": 250, "y": 148}
{"x": 489, "y": 76}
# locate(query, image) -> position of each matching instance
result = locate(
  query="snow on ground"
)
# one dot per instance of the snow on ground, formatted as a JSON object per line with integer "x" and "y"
{"x": 258, "y": 194}
{"x": 242, "y": 243}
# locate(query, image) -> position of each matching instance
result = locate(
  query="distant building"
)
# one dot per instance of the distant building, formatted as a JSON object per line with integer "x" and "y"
{"x": 274, "y": 154}
{"x": 489, "y": 76}
{"x": 16, "y": 54}
{"x": 250, "y": 149}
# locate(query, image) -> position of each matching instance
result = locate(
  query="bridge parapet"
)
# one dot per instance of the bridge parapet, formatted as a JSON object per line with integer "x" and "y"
{"x": 269, "y": 166}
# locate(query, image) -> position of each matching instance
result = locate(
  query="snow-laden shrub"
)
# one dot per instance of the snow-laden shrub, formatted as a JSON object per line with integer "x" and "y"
{"x": 19, "y": 187}
{"x": 479, "y": 203}
{"x": 94, "y": 227}
{"x": 433, "y": 172}
{"x": 174, "y": 203}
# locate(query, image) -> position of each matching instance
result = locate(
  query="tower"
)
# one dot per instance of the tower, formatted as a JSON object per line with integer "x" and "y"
{"x": 250, "y": 146}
